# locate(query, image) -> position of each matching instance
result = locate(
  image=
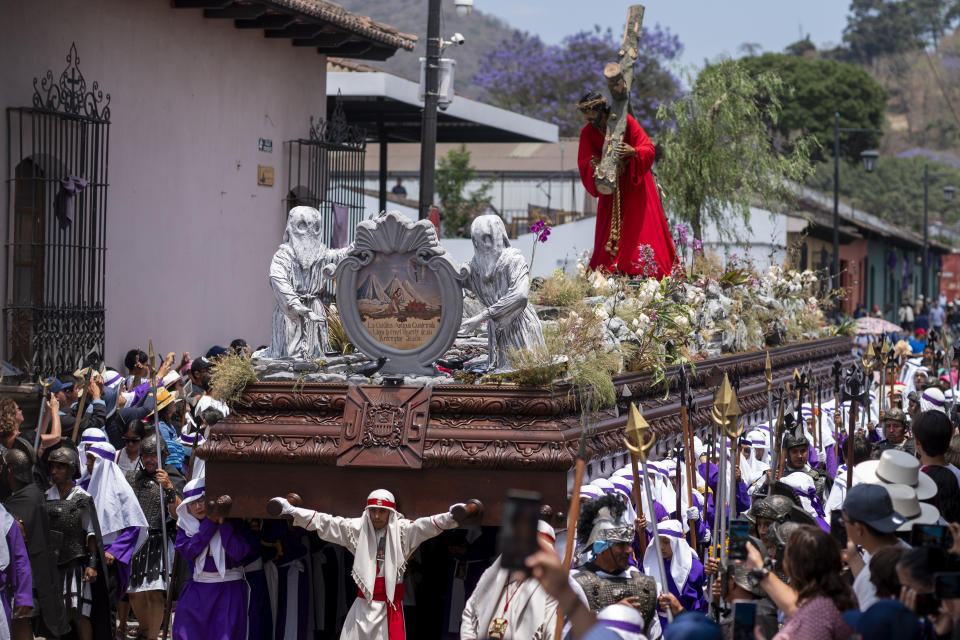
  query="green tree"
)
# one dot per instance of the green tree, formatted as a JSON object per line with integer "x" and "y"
{"x": 719, "y": 153}
{"x": 881, "y": 27}
{"x": 822, "y": 88}
{"x": 458, "y": 208}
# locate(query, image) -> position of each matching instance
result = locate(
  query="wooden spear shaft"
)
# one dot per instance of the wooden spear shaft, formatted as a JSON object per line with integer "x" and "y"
{"x": 688, "y": 461}
{"x": 638, "y": 503}
{"x": 572, "y": 522}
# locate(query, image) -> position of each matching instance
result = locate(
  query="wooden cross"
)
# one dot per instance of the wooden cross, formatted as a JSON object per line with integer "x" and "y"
{"x": 619, "y": 77}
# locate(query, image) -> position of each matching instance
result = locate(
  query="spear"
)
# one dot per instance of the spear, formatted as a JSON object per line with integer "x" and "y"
{"x": 727, "y": 413}
{"x": 644, "y": 437}
{"x": 778, "y": 453}
{"x": 813, "y": 410}
{"x": 853, "y": 390}
{"x": 837, "y": 372}
{"x": 156, "y": 431}
{"x": 82, "y": 404}
{"x": 820, "y": 421}
{"x": 686, "y": 400}
{"x": 573, "y": 514}
{"x": 45, "y": 390}
{"x": 637, "y": 494}
{"x": 768, "y": 376}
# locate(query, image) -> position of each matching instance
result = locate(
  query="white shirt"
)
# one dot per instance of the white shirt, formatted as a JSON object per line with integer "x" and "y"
{"x": 125, "y": 463}
{"x": 865, "y": 590}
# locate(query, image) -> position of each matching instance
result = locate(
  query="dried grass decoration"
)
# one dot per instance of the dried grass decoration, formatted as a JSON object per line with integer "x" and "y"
{"x": 230, "y": 376}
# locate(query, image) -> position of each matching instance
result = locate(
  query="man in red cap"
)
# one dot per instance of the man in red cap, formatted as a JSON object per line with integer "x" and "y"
{"x": 381, "y": 540}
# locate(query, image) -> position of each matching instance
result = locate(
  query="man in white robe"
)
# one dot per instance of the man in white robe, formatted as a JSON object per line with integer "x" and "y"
{"x": 510, "y": 605}
{"x": 381, "y": 541}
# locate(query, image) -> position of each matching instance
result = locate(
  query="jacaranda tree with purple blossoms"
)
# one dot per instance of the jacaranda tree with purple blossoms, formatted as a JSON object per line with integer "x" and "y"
{"x": 545, "y": 81}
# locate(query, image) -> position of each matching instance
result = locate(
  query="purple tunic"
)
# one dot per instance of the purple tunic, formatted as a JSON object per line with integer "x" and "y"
{"x": 691, "y": 598}
{"x": 122, "y": 548}
{"x": 17, "y": 573}
{"x": 212, "y": 610}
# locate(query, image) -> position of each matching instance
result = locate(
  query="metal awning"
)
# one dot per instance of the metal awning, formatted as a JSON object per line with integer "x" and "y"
{"x": 320, "y": 24}
{"x": 388, "y": 108}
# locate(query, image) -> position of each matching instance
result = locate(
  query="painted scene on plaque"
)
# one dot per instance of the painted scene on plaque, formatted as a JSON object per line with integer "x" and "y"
{"x": 399, "y": 301}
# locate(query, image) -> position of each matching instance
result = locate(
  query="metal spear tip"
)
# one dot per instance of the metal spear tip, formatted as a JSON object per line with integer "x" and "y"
{"x": 152, "y": 356}
{"x": 768, "y": 370}
{"x": 726, "y": 400}
{"x": 639, "y": 430}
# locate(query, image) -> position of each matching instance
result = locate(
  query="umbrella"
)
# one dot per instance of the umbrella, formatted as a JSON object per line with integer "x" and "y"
{"x": 867, "y": 325}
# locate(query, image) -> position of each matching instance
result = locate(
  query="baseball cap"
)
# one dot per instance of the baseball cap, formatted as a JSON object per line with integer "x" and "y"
{"x": 871, "y": 504}
{"x": 887, "y": 618}
{"x": 58, "y": 386}
{"x": 199, "y": 364}
{"x": 216, "y": 351}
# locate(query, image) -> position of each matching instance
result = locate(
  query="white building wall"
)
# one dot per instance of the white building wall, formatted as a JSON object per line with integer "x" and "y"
{"x": 763, "y": 240}
{"x": 511, "y": 196}
{"x": 190, "y": 233}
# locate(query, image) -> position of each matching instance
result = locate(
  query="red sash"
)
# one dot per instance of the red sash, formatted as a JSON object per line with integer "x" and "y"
{"x": 395, "y": 629}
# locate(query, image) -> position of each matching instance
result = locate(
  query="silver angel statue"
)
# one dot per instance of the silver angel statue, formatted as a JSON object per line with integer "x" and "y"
{"x": 297, "y": 278}
{"x": 499, "y": 276}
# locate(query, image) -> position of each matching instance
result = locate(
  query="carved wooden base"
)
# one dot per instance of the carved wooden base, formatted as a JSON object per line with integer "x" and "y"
{"x": 333, "y": 445}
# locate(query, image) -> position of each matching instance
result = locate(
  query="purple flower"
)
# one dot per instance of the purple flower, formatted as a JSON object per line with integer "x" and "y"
{"x": 697, "y": 245}
{"x": 541, "y": 229}
{"x": 680, "y": 231}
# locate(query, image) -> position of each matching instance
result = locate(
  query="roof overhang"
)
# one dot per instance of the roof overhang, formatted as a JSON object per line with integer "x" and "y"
{"x": 321, "y": 24}
{"x": 388, "y": 103}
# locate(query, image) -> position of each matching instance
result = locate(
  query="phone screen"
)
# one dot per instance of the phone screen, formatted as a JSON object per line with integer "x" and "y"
{"x": 518, "y": 535}
{"x": 837, "y": 528}
{"x": 931, "y": 535}
{"x": 744, "y": 619}
{"x": 739, "y": 532}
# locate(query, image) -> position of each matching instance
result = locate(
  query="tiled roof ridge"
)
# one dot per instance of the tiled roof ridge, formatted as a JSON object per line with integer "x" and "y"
{"x": 337, "y": 15}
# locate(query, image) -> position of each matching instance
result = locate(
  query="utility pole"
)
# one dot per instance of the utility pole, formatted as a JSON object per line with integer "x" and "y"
{"x": 428, "y": 129}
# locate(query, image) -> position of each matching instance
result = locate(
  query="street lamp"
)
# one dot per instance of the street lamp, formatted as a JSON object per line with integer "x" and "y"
{"x": 869, "y": 164}
{"x": 947, "y": 197}
{"x": 464, "y": 7}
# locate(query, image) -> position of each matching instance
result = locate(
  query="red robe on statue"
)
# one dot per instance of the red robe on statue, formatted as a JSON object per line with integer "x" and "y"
{"x": 641, "y": 214}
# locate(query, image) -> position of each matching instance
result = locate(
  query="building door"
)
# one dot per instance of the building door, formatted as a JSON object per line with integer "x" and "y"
{"x": 56, "y": 223}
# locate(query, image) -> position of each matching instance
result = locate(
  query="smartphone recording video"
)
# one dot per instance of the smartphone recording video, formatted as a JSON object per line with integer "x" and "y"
{"x": 518, "y": 535}
{"x": 739, "y": 533}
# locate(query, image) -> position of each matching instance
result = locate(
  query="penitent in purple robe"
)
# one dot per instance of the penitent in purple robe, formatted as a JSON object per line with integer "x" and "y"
{"x": 214, "y": 609}
{"x": 16, "y": 577}
{"x": 691, "y": 596}
{"x": 710, "y": 473}
{"x": 122, "y": 546}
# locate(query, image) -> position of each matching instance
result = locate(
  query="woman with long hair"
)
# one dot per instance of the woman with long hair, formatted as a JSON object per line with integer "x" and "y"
{"x": 816, "y": 595}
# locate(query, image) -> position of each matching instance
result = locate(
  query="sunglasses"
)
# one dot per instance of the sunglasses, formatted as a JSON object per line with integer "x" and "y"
{"x": 131, "y": 439}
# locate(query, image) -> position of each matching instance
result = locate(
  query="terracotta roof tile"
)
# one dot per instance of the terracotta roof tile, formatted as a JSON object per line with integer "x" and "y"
{"x": 338, "y": 16}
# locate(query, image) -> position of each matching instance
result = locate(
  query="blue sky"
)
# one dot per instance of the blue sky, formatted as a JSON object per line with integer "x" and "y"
{"x": 707, "y": 28}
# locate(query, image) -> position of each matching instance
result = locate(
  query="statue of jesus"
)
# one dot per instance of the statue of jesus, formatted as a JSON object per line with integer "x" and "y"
{"x": 632, "y": 215}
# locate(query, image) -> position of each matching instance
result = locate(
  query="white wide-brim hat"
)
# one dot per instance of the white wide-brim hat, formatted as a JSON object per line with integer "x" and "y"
{"x": 897, "y": 467}
{"x": 905, "y": 503}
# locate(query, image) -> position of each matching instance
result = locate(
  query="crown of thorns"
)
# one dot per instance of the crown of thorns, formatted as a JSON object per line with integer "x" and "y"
{"x": 592, "y": 104}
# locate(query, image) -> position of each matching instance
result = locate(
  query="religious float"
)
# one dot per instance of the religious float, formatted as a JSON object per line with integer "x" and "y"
{"x": 332, "y": 427}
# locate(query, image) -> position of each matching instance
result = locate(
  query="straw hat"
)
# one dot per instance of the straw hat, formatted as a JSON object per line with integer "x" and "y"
{"x": 897, "y": 467}
{"x": 164, "y": 398}
{"x": 905, "y": 503}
